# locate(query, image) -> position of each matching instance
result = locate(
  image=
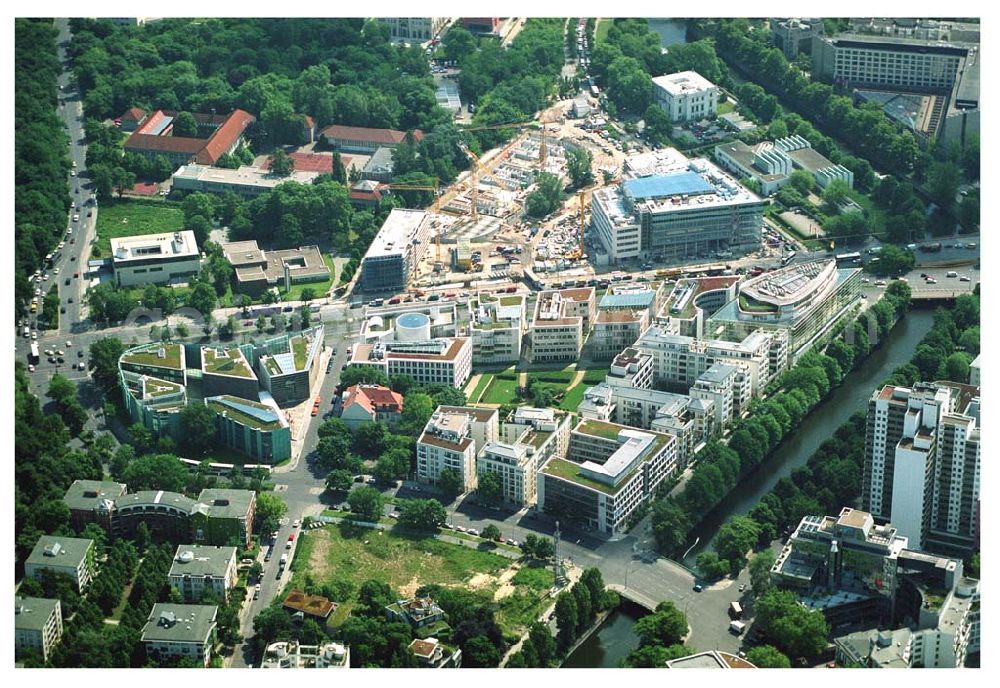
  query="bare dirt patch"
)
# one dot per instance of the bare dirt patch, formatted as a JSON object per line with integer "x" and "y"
{"x": 480, "y": 580}
{"x": 410, "y": 589}
{"x": 505, "y": 588}
{"x": 320, "y": 549}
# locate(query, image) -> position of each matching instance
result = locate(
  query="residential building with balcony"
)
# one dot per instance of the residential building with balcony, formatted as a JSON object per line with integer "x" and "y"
{"x": 91, "y": 501}
{"x": 923, "y": 463}
{"x": 560, "y": 325}
{"x": 199, "y": 568}
{"x": 451, "y": 440}
{"x": 176, "y": 631}
{"x": 615, "y": 330}
{"x": 38, "y": 626}
{"x": 73, "y": 557}
{"x": 514, "y": 466}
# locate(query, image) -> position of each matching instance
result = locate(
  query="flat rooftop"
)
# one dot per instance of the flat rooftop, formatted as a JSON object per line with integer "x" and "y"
{"x": 683, "y": 83}
{"x": 662, "y": 185}
{"x": 790, "y": 284}
{"x": 148, "y": 246}
{"x": 244, "y": 176}
{"x": 32, "y": 613}
{"x": 59, "y": 551}
{"x": 227, "y": 503}
{"x": 397, "y": 233}
{"x": 202, "y": 560}
{"x": 179, "y": 623}
{"x": 83, "y": 495}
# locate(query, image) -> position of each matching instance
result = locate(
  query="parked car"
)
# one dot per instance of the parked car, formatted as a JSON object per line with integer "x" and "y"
{"x": 256, "y": 591}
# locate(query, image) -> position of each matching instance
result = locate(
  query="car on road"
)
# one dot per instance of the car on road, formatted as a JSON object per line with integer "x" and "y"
{"x": 288, "y": 545}
{"x": 698, "y": 587}
{"x": 296, "y": 523}
{"x": 66, "y": 282}
{"x": 964, "y": 278}
{"x": 31, "y": 368}
{"x": 60, "y": 360}
{"x": 743, "y": 586}
{"x": 256, "y": 591}
{"x": 460, "y": 529}
{"x": 62, "y": 309}
{"x": 76, "y": 218}
{"x": 79, "y": 353}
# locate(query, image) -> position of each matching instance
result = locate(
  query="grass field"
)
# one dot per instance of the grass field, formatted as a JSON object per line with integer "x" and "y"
{"x": 143, "y": 217}
{"x": 601, "y": 30}
{"x": 726, "y": 107}
{"x": 358, "y": 554}
{"x": 500, "y": 392}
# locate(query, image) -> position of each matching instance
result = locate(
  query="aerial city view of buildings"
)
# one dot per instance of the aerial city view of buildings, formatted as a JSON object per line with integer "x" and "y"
{"x": 397, "y": 360}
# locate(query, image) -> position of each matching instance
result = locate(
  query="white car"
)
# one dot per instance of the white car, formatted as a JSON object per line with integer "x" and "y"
{"x": 68, "y": 343}
{"x": 76, "y": 218}
{"x": 31, "y": 368}
{"x": 296, "y": 523}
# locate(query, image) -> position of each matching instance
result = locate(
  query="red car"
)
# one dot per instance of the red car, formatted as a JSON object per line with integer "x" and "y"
{"x": 315, "y": 411}
{"x": 291, "y": 537}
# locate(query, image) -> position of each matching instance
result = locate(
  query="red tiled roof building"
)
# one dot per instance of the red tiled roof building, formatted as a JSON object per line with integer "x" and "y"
{"x": 154, "y": 137}
{"x": 364, "y": 139}
{"x": 369, "y": 404}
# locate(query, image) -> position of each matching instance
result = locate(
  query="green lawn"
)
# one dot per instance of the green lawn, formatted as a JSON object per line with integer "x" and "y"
{"x": 134, "y": 217}
{"x": 726, "y": 107}
{"x": 500, "y": 392}
{"x": 601, "y": 30}
{"x": 484, "y": 380}
{"x": 573, "y": 398}
{"x": 595, "y": 376}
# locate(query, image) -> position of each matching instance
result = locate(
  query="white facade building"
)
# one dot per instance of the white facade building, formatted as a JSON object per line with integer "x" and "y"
{"x": 197, "y": 568}
{"x": 170, "y": 258}
{"x": 496, "y": 327}
{"x": 442, "y": 361}
{"x": 685, "y": 96}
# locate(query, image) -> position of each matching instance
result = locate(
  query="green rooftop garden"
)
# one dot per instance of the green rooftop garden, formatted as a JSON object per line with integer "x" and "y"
{"x": 754, "y": 306}
{"x": 510, "y": 300}
{"x": 230, "y": 362}
{"x": 298, "y": 346}
{"x": 599, "y": 429}
{"x": 245, "y": 418}
{"x": 567, "y": 470}
{"x": 161, "y": 388}
{"x": 150, "y": 357}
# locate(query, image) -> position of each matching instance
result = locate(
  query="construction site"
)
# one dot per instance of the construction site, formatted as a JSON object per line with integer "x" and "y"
{"x": 479, "y": 233}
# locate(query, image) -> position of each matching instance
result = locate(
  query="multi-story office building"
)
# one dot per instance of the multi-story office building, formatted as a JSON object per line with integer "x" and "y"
{"x": 200, "y": 568}
{"x": 692, "y": 300}
{"x": 38, "y": 626}
{"x": 560, "y": 325}
{"x": 685, "y": 96}
{"x": 675, "y": 208}
{"x": 178, "y": 631}
{"x": 246, "y": 182}
{"x": 847, "y": 564}
{"x": 169, "y": 258}
{"x": 73, "y": 557}
{"x": 257, "y": 430}
{"x": 771, "y": 164}
{"x": 903, "y": 63}
{"x": 258, "y": 270}
{"x": 413, "y": 29}
{"x": 226, "y": 371}
{"x": 692, "y": 421}
{"x": 719, "y": 387}
{"x": 793, "y": 36}
{"x": 805, "y": 300}
{"x": 922, "y": 463}
{"x": 451, "y": 440}
{"x": 395, "y": 251}
{"x": 496, "y": 326}
{"x": 609, "y": 471}
{"x": 615, "y": 330}
{"x": 442, "y": 361}
{"x": 544, "y": 431}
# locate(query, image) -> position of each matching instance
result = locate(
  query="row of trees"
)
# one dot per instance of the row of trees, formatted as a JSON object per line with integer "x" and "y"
{"x": 41, "y": 163}
{"x": 795, "y": 393}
